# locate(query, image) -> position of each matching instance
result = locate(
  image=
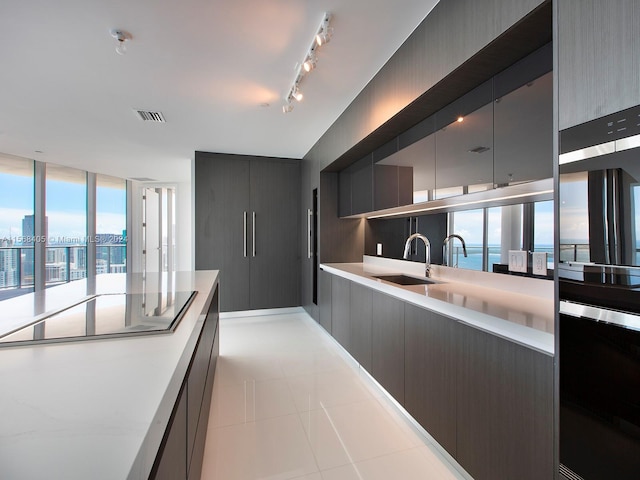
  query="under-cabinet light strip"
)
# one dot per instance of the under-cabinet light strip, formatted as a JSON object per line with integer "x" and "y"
{"x": 462, "y": 204}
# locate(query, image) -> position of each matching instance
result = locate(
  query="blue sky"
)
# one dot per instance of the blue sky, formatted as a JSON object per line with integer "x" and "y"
{"x": 66, "y": 206}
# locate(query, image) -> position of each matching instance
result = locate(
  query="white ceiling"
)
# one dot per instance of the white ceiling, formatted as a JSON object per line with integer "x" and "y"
{"x": 208, "y": 65}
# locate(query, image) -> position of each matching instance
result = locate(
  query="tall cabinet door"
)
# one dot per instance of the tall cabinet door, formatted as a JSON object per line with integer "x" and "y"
{"x": 275, "y": 234}
{"x": 221, "y": 235}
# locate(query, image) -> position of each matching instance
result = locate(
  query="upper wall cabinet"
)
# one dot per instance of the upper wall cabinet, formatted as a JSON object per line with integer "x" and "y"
{"x": 498, "y": 134}
{"x": 356, "y": 188}
{"x": 523, "y": 121}
{"x": 464, "y": 154}
{"x": 417, "y": 166}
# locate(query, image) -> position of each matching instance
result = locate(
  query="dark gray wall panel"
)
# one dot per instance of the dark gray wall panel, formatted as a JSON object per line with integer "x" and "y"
{"x": 598, "y": 61}
{"x": 341, "y": 240}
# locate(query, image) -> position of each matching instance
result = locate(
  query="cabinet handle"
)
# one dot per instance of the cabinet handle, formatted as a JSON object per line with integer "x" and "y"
{"x": 244, "y": 234}
{"x": 309, "y": 216}
{"x": 254, "y": 234}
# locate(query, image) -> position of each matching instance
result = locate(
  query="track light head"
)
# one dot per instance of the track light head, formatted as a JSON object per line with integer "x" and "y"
{"x": 325, "y": 31}
{"x": 310, "y": 63}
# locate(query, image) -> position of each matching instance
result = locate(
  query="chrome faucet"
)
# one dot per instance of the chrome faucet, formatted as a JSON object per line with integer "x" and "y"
{"x": 444, "y": 246}
{"x": 427, "y": 251}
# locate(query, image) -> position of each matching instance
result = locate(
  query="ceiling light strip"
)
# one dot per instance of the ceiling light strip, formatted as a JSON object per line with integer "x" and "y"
{"x": 320, "y": 38}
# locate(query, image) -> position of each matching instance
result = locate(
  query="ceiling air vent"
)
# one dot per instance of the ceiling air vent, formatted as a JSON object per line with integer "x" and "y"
{"x": 479, "y": 149}
{"x": 148, "y": 116}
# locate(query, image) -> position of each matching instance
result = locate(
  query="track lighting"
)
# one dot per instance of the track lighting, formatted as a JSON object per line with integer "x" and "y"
{"x": 321, "y": 37}
{"x": 122, "y": 37}
{"x": 310, "y": 63}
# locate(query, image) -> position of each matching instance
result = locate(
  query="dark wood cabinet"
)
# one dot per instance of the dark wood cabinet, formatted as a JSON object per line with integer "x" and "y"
{"x": 361, "y": 300}
{"x": 505, "y": 408}
{"x": 172, "y": 463}
{"x": 430, "y": 356}
{"x": 341, "y": 311}
{"x": 362, "y": 186}
{"x": 598, "y": 44}
{"x": 275, "y": 237}
{"x": 221, "y": 224}
{"x": 324, "y": 300}
{"x": 486, "y": 400}
{"x": 182, "y": 448}
{"x": 523, "y": 133}
{"x": 247, "y": 225}
{"x": 387, "y": 344}
{"x": 355, "y": 188}
{"x": 464, "y": 143}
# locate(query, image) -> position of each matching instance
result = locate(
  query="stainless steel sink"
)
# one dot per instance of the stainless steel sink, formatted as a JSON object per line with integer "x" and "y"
{"x": 400, "y": 279}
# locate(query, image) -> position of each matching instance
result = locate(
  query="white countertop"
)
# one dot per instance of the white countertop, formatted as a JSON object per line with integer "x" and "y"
{"x": 93, "y": 409}
{"x": 527, "y": 319}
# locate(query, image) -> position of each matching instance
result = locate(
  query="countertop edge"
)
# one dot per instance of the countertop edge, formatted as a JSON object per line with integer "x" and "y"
{"x": 145, "y": 458}
{"x": 540, "y": 341}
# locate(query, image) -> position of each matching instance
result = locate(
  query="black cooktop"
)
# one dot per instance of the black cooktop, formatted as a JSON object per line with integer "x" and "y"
{"x": 107, "y": 316}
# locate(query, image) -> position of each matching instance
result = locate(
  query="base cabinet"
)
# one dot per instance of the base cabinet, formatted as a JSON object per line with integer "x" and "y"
{"x": 430, "y": 355}
{"x": 173, "y": 462}
{"x": 486, "y": 400}
{"x": 182, "y": 449}
{"x": 340, "y": 311}
{"x": 360, "y": 313}
{"x": 324, "y": 300}
{"x": 387, "y": 344}
{"x": 505, "y": 408}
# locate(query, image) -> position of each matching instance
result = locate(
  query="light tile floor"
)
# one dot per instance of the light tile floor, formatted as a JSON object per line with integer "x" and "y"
{"x": 288, "y": 403}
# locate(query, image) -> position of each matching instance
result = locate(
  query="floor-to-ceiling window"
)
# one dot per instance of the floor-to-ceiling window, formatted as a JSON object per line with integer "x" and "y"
{"x": 111, "y": 224}
{"x": 65, "y": 227}
{"x": 16, "y": 226}
{"x": 65, "y": 224}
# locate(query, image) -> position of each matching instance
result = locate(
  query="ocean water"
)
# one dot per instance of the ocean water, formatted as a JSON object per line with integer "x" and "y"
{"x": 473, "y": 261}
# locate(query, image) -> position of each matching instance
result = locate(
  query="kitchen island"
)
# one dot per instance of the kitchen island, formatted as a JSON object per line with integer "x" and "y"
{"x": 104, "y": 408}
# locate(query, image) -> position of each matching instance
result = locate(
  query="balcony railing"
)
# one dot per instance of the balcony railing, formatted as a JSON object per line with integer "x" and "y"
{"x": 62, "y": 264}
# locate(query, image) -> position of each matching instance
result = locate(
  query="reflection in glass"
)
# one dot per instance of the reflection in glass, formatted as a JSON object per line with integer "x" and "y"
{"x": 464, "y": 154}
{"x": 574, "y": 227}
{"x": 469, "y": 225}
{"x": 16, "y": 226}
{"x": 107, "y": 314}
{"x": 543, "y": 229}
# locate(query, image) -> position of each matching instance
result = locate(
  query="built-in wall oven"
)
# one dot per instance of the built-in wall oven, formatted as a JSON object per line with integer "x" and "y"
{"x": 599, "y": 276}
